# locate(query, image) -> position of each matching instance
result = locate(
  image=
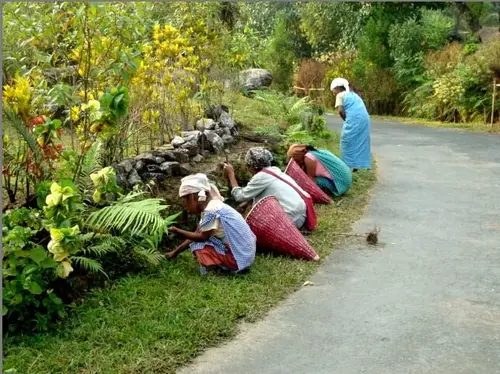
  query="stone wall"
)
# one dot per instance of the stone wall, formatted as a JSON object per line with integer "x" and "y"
{"x": 213, "y": 134}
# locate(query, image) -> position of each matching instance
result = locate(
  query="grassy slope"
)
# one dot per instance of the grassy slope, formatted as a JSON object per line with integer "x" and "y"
{"x": 152, "y": 323}
{"x": 475, "y": 127}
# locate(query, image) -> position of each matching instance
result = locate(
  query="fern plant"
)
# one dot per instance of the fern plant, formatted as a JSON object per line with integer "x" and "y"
{"x": 92, "y": 162}
{"x": 139, "y": 222}
{"x": 286, "y": 110}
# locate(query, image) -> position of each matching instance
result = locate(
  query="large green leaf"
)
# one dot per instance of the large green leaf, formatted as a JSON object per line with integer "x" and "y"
{"x": 35, "y": 288}
{"x": 141, "y": 218}
{"x": 38, "y": 254}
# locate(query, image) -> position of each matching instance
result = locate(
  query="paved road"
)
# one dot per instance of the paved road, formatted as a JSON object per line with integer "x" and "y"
{"x": 428, "y": 302}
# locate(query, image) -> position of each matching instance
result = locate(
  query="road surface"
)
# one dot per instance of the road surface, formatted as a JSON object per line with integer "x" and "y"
{"x": 427, "y": 302}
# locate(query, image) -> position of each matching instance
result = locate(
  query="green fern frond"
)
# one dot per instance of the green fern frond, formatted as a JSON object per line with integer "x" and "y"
{"x": 135, "y": 217}
{"x": 272, "y": 130}
{"x": 150, "y": 254}
{"x": 108, "y": 244}
{"x": 87, "y": 264}
{"x": 92, "y": 162}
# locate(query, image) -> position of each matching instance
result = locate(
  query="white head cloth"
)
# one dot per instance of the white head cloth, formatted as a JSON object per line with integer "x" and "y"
{"x": 199, "y": 183}
{"x": 340, "y": 82}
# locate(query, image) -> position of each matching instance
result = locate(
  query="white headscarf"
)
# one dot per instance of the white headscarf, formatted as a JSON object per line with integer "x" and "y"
{"x": 340, "y": 82}
{"x": 199, "y": 183}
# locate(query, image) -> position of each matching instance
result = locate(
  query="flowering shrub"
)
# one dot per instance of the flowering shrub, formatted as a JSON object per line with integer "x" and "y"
{"x": 168, "y": 76}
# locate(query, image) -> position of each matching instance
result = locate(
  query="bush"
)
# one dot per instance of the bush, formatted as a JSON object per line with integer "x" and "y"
{"x": 443, "y": 61}
{"x": 27, "y": 273}
{"x": 311, "y": 74}
{"x": 436, "y": 28}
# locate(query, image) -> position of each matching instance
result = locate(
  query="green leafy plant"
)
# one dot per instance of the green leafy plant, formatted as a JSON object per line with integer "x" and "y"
{"x": 105, "y": 184}
{"x": 27, "y": 273}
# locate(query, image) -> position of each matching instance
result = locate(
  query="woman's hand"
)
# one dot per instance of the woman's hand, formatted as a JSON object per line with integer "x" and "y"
{"x": 173, "y": 230}
{"x": 229, "y": 172}
{"x": 228, "y": 169}
{"x": 171, "y": 254}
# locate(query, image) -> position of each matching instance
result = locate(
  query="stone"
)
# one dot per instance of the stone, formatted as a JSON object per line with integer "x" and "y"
{"x": 181, "y": 155}
{"x": 215, "y": 141}
{"x": 254, "y": 79}
{"x": 191, "y": 147}
{"x": 134, "y": 178}
{"x": 190, "y": 135}
{"x": 121, "y": 180}
{"x": 228, "y": 139}
{"x": 140, "y": 165}
{"x": 214, "y": 112}
{"x": 205, "y": 153}
{"x": 226, "y": 120}
{"x": 184, "y": 170}
{"x": 198, "y": 158}
{"x": 170, "y": 168}
{"x": 153, "y": 168}
{"x": 126, "y": 165}
{"x": 235, "y": 132}
{"x": 148, "y": 158}
{"x": 166, "y": 155}
{"x": 159, "y": 160}
{"x": 205, "y": 124}
{"x": 177, "y": 141}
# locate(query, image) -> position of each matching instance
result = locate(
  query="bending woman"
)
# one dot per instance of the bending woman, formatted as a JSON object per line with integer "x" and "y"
{"x": 355, "y": 139}
{"x": 329, "y": 172}
{"x": 223, "y": 241}
{"x": 263, "y": 184}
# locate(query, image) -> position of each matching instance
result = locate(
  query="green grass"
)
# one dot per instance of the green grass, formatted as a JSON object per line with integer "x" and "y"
{"x": 153, "y": 323}
{"x": 474, "y": 127}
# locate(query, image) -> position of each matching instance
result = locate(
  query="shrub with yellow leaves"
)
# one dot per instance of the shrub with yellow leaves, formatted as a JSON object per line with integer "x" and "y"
{"x": 170, "y": 73}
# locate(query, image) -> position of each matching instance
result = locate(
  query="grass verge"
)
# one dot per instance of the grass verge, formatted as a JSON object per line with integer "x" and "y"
{"x": 153, "y": 323}
{"x": 474, "y": 127}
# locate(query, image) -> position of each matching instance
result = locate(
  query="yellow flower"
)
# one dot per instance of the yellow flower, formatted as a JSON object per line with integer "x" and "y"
{"x": 56, "y": 235}
{"x": 64, "y": 269}
{"x": 57, "y": 250}
{"x": 97, "y": 196}
{"x": 75, "y": 113}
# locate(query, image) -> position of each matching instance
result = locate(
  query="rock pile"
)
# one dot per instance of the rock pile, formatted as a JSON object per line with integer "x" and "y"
{"x": 212, "y": 135}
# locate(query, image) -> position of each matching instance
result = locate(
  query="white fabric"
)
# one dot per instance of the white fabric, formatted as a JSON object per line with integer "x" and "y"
{"x": 263, "y": 184}
{"x": 213, "y": 206}
{"x": 339, "y": 99}
{"x": 198, "y": 183}
{"x": 340, "y": 82}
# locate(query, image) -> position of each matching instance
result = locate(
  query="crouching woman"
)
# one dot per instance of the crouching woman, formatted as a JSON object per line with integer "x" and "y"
{"x": 223, "y": 241}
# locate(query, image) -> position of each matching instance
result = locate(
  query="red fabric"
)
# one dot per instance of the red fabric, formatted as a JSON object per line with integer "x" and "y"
{"x": 276, "y": 232}
{"x": 208, "y": 256}
{"x": 311, "y": 220}
{"x": 307, "y": 184}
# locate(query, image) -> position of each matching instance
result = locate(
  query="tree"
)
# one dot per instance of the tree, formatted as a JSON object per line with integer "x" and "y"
{"x": 281, "y": 53}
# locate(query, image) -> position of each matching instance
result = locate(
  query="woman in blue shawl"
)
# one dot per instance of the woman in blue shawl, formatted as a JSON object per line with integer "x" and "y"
{"x": 355, "y": 139}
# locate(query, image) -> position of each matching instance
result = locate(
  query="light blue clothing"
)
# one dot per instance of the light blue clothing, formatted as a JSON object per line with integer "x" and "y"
{"x": 262, "y": 185}
{"x": 355, "y": 139}
{"x": 341, "y": 174}
{"x": 237, "y": 235}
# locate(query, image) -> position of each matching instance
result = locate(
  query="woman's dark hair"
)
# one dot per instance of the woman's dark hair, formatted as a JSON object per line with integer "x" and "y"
{"x": 310, "y": 148}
